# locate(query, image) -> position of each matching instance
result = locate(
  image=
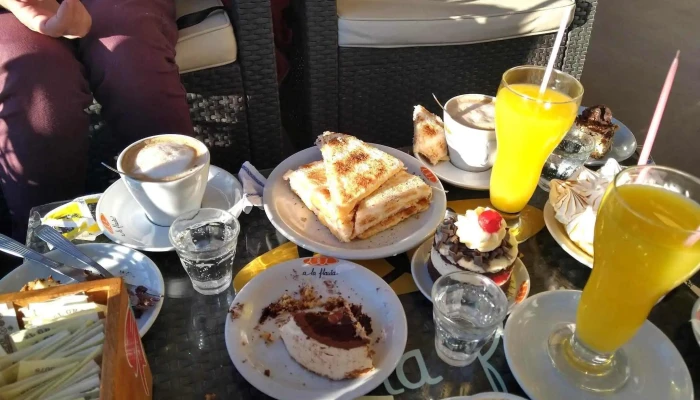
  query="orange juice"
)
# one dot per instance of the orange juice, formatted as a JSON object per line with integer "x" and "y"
{"x": 638, "y": 257}
{"x": 527, "y": 131}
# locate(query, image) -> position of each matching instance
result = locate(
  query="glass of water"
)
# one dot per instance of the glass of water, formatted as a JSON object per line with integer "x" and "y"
{"x": 205, "y": 239}
{"x": 566, "y": 158}
{"x": 467, "y": 310}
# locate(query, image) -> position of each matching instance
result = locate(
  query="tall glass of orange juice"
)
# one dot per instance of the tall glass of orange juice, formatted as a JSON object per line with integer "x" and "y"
{"x": 645, "y": 244}
{"x": 529, "y": 125}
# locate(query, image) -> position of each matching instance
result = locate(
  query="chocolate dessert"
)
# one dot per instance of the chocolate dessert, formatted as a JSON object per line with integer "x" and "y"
{"x": 597, "y": 122}
{"x": 336, "y": 329}
{"x": 477, "y": 242}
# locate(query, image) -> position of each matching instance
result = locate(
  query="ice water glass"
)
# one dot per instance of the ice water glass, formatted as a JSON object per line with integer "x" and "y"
{"x": 468, "y": 308}
{"x": 205, "y": 240}
{"x": 567, "y": 158}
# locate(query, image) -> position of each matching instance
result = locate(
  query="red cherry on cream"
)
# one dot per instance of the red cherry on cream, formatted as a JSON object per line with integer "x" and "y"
{"x": 490, "y": 221}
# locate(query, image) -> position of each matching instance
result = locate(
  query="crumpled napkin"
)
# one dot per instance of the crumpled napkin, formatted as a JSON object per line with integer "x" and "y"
{"x": 253, "y": 184}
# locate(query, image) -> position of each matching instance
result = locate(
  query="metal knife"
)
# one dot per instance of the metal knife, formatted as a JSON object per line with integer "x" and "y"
{"x": 52, "y": 236}
{"x": 15, "y": 248}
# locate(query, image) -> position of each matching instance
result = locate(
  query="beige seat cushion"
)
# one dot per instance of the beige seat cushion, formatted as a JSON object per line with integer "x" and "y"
{"x": 210, "y": 43}
{"x": 402, "y": 23}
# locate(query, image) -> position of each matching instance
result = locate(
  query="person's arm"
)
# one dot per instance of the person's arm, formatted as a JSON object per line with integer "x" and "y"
{"x": 70, "y": 19}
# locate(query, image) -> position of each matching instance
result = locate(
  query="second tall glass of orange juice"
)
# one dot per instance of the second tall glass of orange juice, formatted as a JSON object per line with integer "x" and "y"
{"x": 644, "y": 246}
{"x": 529, "y": 125}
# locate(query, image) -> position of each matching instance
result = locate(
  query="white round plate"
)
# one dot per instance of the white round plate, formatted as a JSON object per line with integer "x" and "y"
{"x": 287, "y": 379}
{"x": 657, "y": 369}
{"x": 123, "y": 221}
{"x": 695, "y": 320}
{"x": 459, "y": 177}
{"x": 559, "y": 234}
{"x": 133, "y": 266}
{"x": 488, "y": 396}
{"x": 518, "y": 289}
{"x": 299, "y": 224}
{"x": 623, "y": 146}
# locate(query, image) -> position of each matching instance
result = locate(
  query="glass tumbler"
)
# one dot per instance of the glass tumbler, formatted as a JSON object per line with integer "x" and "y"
{"x": 205, "y": 240}
{"x": 468, "y": 308}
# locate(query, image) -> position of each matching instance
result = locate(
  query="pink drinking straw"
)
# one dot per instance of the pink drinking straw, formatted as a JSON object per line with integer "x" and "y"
{"x": 654, "y": 127}
{"x": 659, "y": 112}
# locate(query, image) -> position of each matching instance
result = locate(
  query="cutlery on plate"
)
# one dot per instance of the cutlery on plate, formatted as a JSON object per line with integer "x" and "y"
{"x": 15, "y": 248}
{"x": 52, "y": 236}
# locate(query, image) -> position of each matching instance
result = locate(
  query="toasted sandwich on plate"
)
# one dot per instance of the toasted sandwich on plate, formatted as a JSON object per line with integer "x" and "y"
{"x": 402, "y": 196}
{"x": 429, "y": 136}
{"x": 354, "y": 169}
{"x": 309, "y": 183}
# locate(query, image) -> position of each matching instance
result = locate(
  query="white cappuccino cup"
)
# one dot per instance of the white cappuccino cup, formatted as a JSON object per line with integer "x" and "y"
{"x": 470, "y": 131}
{"x": 167, "y": 175}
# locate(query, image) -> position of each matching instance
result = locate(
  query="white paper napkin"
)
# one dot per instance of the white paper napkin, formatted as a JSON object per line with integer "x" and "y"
{"x": 253, "y": 184}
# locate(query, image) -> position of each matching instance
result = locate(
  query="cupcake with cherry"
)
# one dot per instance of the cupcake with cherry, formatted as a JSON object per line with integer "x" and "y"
{"x": 479, "y": 242}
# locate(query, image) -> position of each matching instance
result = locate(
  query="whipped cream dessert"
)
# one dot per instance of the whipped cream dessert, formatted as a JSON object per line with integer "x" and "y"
{"x": 575, "y": 201}
{"x": 333, "y": 344}
{"x": 478, "y": 242}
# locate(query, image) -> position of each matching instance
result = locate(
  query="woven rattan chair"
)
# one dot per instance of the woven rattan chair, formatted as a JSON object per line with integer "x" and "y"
{"x": 369, "y": 92}
{"x": 234, "y": 107}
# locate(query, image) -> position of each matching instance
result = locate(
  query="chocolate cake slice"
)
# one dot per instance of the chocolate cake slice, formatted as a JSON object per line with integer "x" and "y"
{"x": 597, "y": 122}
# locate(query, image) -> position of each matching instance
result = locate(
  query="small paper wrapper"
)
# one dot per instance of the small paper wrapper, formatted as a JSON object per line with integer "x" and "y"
{"x": 76, "y": 219}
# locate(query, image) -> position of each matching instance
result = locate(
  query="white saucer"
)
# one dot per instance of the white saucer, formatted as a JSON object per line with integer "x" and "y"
{"x": 695, "y": 320}
{"x": 518, "y": 289}
{"x": 657, "y": 369}
{"x": 623, "y": 146}
{"x": 459, "y": 177}
{"x": 299, "y": 224}
{"x": 133, "y": 266}
{"x": 285, "y": 378}
{"x": 123, "y": 221}
{"x": 559, "y": 234}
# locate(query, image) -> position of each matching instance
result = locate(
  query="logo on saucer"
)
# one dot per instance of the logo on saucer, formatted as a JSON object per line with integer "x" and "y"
{"x": 320, "y": 260}
{"x": 522, "y": 291}
{"x": 106, "y": 224}
{"x": 429, "y": 174}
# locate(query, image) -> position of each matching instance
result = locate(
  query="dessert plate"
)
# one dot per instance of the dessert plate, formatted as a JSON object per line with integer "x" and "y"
{"x": 123, "y": 220}
{"x": 657, "y": 369}
{"x": 459, "y": 177}
{"x": 270, "y": 368}
{"x": 133, "y": 266}
{"x": 299, "y": 224}
{"x": 518, "y": 289}
{"x": 559, "y": 234}
{"x": 623, "y": 146}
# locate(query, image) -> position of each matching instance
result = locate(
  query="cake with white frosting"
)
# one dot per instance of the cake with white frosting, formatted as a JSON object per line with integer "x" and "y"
{"x": 479, "y": 242}
{"x": 333, "y": 344}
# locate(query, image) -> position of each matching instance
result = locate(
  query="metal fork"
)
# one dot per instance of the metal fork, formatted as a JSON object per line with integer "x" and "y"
{"x": 52, "y": 236}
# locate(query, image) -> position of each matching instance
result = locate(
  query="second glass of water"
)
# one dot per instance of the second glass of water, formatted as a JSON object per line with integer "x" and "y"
{"x": 467, "y": 310}
{"x": 205, "y": 239}
{"x": 567, "y": 157}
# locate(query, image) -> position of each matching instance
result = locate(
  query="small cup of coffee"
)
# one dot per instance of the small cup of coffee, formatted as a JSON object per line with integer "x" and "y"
{"x": 167, "y": 175}
{"x": 470, "y": 131}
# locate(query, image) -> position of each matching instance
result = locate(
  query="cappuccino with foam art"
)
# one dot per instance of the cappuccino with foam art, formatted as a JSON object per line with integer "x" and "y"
{"x": 164, "y": 158}
{"x": 166, "y": 174}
